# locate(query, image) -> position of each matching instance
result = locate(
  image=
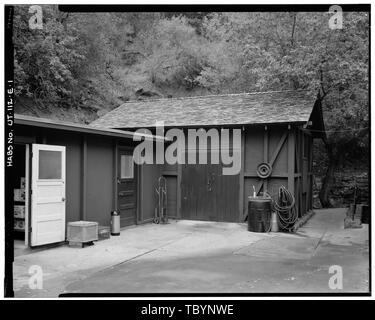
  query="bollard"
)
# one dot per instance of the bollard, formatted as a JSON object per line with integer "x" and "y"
{"x": 115, "y": 223}
{"x": 274, "y": 222}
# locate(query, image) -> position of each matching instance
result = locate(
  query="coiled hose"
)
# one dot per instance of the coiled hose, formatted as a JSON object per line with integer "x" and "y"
{"x": 286, "y": 211}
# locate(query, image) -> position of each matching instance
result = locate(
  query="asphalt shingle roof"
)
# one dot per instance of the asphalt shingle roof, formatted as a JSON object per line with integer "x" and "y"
{"x": 231, "y": 109}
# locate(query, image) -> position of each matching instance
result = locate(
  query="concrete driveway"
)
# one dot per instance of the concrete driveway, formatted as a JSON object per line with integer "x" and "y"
{"x": 206, "y": 257}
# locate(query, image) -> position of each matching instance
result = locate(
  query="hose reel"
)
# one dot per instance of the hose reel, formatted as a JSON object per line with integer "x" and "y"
{"x": 264, "y": 170}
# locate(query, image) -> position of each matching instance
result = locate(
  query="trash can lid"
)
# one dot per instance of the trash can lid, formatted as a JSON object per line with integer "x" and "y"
{"x": 259, "y": 199}
{"x": 114, "y": 213}
{"x": 82, "y": 223}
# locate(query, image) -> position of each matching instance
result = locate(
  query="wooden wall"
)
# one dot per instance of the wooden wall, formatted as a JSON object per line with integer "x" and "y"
{"x": 289, "y": 151}
{"x": 149, "y": 175}
{"x": 91, "y": 173}
{"x": 304, "y": 175}
{"x": 272, "y": 145}
{"x": 99, "y": 175}
{"x": 173, "y": 175}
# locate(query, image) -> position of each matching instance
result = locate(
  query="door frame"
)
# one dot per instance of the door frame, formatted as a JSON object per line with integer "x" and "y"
{"x": 27, "y": 195}
{"x": 27, "y": 141}
{"x": 27, "y": 190}
{"x": 118, "y": 148}
{"x": 33, "y": 184}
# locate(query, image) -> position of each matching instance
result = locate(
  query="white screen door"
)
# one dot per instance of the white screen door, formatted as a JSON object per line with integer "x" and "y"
{"x": 48, "y": 194}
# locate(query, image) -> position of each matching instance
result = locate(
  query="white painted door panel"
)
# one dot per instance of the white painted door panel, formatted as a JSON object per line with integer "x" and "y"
{"x": 48, "y": 194}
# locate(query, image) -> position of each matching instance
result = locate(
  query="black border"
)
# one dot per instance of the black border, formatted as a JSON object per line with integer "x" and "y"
{"x": 9, "y": 114}
{"x": 242, "y": 309}
{"x": 8, "y": 131}
{"x": 212, "y": 7}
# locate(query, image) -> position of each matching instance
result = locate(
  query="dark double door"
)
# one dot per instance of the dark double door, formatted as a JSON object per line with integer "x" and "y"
{"x": 126, "y": 188}
{"x": 209, "y": 195}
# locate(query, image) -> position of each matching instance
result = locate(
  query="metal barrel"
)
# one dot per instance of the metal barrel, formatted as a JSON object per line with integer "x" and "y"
{"x": 259, "y": 214}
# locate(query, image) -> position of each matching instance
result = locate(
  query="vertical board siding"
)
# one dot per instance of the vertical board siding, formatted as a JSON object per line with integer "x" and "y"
{"x": 291, "y": 161}
{"x": 207, "y": 194}
{"x": 172, "y": 196}
{"x": 253, "y": 149}
{"x": 149, "y": 178}
{"x": 231, "y": 192}
{"x": 100, "y": 172}
{"x": 280, "y": 166}
{"x": 261, "y": 145}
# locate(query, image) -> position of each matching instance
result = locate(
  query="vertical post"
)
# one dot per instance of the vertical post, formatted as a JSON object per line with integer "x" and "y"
{"x": 27, "y": 193}
{"x": 298, "y": 158}
{"x": 265, "y": 156}
{"x": 179, "y": 195}
{"x": 115, "y": 173}
{"x": 241, "y": 177}
{"x": 310, "y": 175}
{"x": 139, "y": 192}
{"x": 291, "y": 159}
{"x": 84, "y": 178}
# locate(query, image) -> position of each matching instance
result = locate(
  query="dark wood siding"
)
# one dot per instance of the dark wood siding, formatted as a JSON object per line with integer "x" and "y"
{"x": 265, "y": 144}
{"x": 96, "y": 183}
{"x": 207, "y": 194}
{"x": 149, "y": 175}
{"x": 99, "y": 180}
{"x": 172, "y": 196}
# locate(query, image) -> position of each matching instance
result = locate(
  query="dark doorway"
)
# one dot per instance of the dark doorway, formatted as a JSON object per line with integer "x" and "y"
{"x": 126, "y": 188}
{"x": 207, "y": 194}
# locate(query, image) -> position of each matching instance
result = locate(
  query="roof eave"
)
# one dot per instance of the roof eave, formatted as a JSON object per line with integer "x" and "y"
{"x": 43, "y": 123}
{"x": 295, "y": 123}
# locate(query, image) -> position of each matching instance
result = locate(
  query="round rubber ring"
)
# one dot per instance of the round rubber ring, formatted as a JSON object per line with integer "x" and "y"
{"x": 264, "y": 170}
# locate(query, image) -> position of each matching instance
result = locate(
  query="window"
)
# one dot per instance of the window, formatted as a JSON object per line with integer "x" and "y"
{"x": 49, "y": 164}
{"x": 127, "y": 167}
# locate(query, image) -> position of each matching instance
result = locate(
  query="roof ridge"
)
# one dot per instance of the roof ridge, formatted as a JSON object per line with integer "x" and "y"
{"x": 212, "y": 95}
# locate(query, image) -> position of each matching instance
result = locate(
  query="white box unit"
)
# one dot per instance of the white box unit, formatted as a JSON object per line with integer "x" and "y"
{"x": 19, "y": 211}
{"x": 19, "y": 195}
{"x": 82, "y": 231}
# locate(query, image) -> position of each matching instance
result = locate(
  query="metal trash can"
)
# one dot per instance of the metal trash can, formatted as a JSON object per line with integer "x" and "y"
{"x": 115, "y": 223}
{"x": 259, "y": 214}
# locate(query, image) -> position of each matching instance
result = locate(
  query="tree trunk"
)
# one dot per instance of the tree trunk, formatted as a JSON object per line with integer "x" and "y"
{"x": 328, "y": 179}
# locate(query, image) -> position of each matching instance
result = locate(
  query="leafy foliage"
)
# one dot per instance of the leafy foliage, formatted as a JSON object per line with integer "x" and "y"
{"x": 47, "y": 60}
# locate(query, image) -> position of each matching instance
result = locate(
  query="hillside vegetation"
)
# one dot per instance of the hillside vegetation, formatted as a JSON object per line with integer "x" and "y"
{"x": 81, "y": 65}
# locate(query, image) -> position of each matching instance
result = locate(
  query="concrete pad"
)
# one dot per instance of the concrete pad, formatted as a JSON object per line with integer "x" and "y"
{"x": 282, "y": 248}
{"x": 209, "y": 257}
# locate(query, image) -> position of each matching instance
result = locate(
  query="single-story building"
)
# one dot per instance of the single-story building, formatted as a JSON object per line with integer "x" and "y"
{"x": 67, "y": 172}
{"x": 277, "y": 132}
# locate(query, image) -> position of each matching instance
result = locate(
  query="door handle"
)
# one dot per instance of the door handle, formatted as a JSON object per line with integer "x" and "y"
{"x": 63, "y": 199}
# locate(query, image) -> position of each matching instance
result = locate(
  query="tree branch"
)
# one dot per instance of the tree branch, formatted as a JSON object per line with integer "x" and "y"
{"x": 293, "y": 29}
{"x": 324, "y": 92}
